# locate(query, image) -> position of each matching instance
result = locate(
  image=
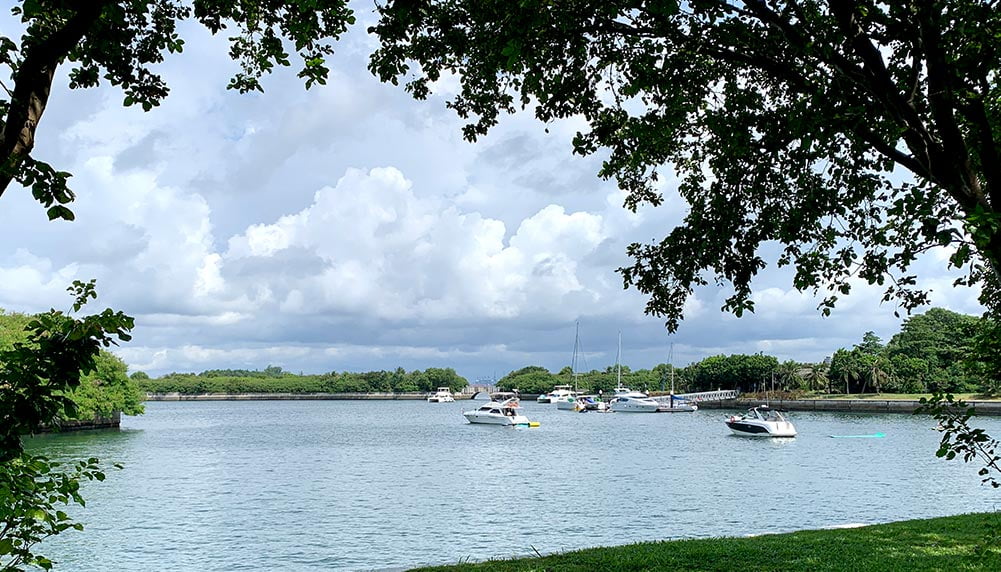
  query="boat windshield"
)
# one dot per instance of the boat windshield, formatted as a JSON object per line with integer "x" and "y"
{"x": 766, "y": 414}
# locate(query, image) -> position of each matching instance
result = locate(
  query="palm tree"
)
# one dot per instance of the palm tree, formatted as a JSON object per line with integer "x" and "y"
{"x": 788, "y": 375}
{"x": 817, "y": 378}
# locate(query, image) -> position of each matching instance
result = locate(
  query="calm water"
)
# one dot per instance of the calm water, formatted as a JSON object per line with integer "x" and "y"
{"x": 354, "y": 485}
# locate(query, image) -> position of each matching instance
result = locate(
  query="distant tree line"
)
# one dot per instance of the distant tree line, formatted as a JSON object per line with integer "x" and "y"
{"x": 938, "y": 350}
{"x": 275, "y": 380}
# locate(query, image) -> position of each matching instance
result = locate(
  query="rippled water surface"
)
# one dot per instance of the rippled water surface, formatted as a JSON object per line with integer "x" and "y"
{"x": 361, "y": 485}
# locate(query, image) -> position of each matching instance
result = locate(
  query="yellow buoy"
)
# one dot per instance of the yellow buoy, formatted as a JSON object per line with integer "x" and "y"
{"x": 533, "y": 423}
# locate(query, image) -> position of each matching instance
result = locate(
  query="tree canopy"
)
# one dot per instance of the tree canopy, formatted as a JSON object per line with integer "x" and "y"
{"x": 856, "y": 135}
{"x": 120, "y": 42}
{"x": 42, "y": 367}
{"x": 274, "y": 380}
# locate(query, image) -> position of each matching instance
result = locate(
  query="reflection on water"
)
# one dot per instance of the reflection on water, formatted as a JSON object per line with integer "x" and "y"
{"x": 348, "y": 485}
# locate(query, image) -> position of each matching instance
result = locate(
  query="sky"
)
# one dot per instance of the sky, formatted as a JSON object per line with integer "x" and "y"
{"x": 351, "y": 228}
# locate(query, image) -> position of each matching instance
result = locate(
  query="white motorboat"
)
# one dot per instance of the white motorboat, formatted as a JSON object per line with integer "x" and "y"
{"x": 629, "y": 401}
{"x": 562, "y": 394}
{"x": 590, "y": 403}
{"x": 567, "y": 402}
{"x": 761, "y": 421}
{"x": 443, "y": 395}
{"x": 507, "y": 412}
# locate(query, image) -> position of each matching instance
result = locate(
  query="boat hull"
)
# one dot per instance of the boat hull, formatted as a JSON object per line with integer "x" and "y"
{"x": 487, "y": 419}
{"x": 633, "y": 408}
{"x": 677, "y": 408}
{"x": 746, "y": 429}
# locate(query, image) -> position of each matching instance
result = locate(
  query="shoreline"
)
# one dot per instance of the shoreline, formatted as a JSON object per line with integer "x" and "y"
{"x": 175, "y": 396}
{"x": 907, "y": 406}
{"x": 904, "y": 406}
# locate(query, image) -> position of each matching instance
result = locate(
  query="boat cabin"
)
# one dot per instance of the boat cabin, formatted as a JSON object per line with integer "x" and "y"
{"x": 508, "y": 407}
{"x": 503, "y": 395}
{"x": 765, "y": 413}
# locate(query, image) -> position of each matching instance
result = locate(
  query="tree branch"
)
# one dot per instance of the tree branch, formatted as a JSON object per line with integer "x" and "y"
{"x": 955, "y": 155}
{"x": 32, "y": 84}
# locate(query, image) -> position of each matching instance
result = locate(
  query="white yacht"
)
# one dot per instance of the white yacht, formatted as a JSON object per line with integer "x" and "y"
{"x": 629, "y": 401}
{"x": 626, "y": 400}
{"x": 561, "y": 394}
{"x": 506, "y": 412}
{"x": 443, "y": 395}
{"x": 567, "y": 401}
{"x": 565, "y": 396}
{"x": 761, "y": 421}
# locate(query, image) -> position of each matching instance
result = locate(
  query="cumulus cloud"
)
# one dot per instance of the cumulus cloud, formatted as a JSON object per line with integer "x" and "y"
{"x": 377, "y": 245}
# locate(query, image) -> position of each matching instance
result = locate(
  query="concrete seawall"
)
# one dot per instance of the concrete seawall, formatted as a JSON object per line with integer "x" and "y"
{"x": 113, "y": 422}
{"x": 287, "y": 396}
{"x": 844, "y": 405}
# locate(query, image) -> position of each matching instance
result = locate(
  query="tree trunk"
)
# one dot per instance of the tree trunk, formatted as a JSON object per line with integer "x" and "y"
{"x": 32, "y": 84}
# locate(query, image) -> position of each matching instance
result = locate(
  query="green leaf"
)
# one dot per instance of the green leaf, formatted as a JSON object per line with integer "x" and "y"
{"x": 59, "y": 211}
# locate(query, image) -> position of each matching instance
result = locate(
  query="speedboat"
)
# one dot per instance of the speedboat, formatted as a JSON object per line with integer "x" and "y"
{"x": 628, "y": 401}
{"x": 590, "y": 403}
{"x": 761, "y": 421}
{"x": 507, "y": 412}
{"x": 443, "y": 395}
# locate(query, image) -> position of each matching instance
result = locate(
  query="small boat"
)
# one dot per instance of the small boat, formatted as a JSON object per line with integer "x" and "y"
{"x": 761, "y": 421}
{"x": 590, "y": 403}
{"x": 507, "y": 412}
{"x": 443, "y": 395}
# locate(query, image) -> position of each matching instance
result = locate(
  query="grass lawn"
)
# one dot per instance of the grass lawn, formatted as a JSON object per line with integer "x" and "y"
{"x": 903, "y": 396}
{"x": 964, "y": 542}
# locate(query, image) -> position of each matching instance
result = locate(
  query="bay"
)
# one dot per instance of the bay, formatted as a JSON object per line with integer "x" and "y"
{"x": 367, "y": 485}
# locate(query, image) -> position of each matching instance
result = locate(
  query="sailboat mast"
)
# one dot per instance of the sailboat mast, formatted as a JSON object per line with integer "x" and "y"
{"x": 618, "y": 362}
{"x": 670, "y": 359}
{"x": 573, "y": 361}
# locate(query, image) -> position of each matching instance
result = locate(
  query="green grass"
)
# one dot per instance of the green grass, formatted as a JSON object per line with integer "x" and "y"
{"x": 954, "y": 543}
{"x": 901, "y": 396}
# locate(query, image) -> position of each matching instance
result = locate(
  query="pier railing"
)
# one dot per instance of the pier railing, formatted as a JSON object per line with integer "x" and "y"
{"x": 719, "y": 395}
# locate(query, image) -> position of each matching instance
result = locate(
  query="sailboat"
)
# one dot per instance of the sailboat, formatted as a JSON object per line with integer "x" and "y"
{"x": 567, "y": 400}
{"x": 626, "y": 400}
{"x": 675, "y": 404}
